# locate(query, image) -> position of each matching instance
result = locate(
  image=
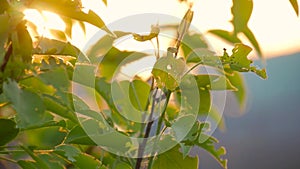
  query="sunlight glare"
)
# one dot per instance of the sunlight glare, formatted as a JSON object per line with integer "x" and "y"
{"x": 44, "y": 21}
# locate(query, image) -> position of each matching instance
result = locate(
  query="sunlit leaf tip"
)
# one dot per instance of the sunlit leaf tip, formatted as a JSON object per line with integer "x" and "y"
{"x": 154, "y": 33}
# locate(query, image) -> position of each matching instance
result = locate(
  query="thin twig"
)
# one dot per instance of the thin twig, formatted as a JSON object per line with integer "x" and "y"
{"x": 7, "y": 159}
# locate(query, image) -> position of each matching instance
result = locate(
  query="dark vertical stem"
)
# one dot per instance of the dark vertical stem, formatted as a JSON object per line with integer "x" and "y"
{"x": 147, "y": 132}
{"x": 6, "y": 57}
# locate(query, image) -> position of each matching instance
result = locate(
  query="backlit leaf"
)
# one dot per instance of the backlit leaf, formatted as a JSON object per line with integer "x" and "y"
{"x": 226, "y": 35}
{"x": 173, "y": 159}
{"x": 239, "y": 60}
{"x": 209, "y": 146}
{"x": 197, "y": 137}
{"x": 213, "y": 82}
{"x": 205, "y": 102}
{"x": 103, "y": 45}
{"x": 168, "y": 72}
{"x": 113, "y": 59}
{"x": 250, "y": 36}
{"x": 241, "y": 11}
{"x": 154, "y": 33}
{"x": 192, "y": 41}
{"x": 58, "y": 34}
{"x": 138, "y": 94}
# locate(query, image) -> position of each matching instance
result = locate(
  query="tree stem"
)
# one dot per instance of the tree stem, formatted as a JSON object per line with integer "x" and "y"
{"x": 147, "y": 132}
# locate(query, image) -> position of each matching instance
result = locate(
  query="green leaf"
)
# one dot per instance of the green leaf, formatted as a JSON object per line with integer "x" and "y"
{"x": 154, "y": 33}
{"x": 55, "y": 106}
{"x": 226, "y": 35}
{"x": 168, "y": 72}
{"x": 29, "y": 106}
{"x": 103, "y": 45}
{"x": 56, "y": 47}
{"x": 78, "y": 136}
{"x": 122, "y": 100}
{"x": 197, "y": 137}
{"x": 84, "y": 160}
{"x": 104, "y": 89}
{"x": 192, "y": 41}
{"x": 250, "y": 36}
{"x": 122, "y": 165}
{"x": 171, "y": 114}
{"x": 213, "y": 82}
{"x": 116, "y": 58}
{"x": 138, "y": 94}
{"x": 61, "y": 83}
{"x": 26, "y": 164}
{"x": 58, "y": 34}
{"x": 8, "y": 131}
{"x": 44, "y": 138}
{"x": 201, "y": 55}
{"x": 241, "y": 11}
{"x": 241, "y": 94}
{"x": 240, "y": 21}
{"x": 260, "y": 72}
{"x": 67, "y": 151}
{"x": 22, "y": 42}
{"x": 52, "y": 161}
{"x": 69, "y": 9}
{"x": 205, "y": 102}
{"x": 209, "y": 146}
{"x": 94, "y": 131}
{"x": 43, "y": 160}
{"x": 173, "y": 159}
{"x": 36, "y": 85}
{"x": 294, "y": 3}
{"x": 77, "y": 158}
{"x": 239, "y": 61}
